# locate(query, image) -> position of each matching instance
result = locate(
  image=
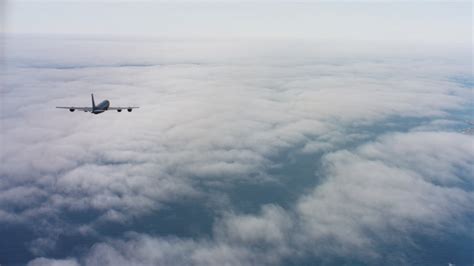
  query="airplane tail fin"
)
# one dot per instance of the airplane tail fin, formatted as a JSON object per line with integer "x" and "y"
{"x": 93, "y": 102}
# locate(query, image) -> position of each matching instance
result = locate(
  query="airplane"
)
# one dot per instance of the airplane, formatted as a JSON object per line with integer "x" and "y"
{"x": 97, "y": 109}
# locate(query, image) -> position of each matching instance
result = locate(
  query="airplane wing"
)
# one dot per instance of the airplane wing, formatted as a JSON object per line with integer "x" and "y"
{"x": 123, "y": 108}
{"x": 85, "y": 109}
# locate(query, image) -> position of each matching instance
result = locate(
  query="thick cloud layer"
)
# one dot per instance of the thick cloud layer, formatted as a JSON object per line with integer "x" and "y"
{"x": 365, "y": 203}
{"x": 215, "y": 120}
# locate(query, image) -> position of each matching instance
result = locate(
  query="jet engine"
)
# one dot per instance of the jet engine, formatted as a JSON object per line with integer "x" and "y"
{"x": 130, "y": 109}
{"x": 71, "y": 109}
{"x": 119, "y": 110}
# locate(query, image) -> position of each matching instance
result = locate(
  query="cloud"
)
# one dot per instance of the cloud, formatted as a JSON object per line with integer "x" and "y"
{"x": 383, "y": 197}
{"x": 209, "y": 124}
{"x": 144, "y": 250}
{"x": 364, "y": 204}
{"x": 52, "y": 262}
{"x": 441, "y": 156}
{"x": 269, "y": 228}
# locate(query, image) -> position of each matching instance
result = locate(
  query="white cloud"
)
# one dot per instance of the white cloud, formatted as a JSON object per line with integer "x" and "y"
{"x": 364, "y": 203}
{"x": 209, "y": 121}
{"x": 386, "y": 195}
{"x": 438, "y": 156}
{"x": 269, "y": 228}
{"x": 52, "y": 262}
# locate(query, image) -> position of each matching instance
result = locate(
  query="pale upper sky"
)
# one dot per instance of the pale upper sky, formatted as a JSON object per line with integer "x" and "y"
{"x": 419, "y": 21}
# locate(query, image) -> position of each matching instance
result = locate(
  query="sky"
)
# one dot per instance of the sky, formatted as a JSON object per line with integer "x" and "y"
{"x": 394, "y": 21}
{"x": 315, "y": 133}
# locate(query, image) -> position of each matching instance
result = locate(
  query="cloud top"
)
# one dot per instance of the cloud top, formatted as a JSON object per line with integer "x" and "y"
{"x": 342, "y": 138}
